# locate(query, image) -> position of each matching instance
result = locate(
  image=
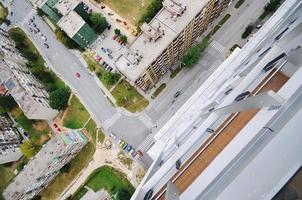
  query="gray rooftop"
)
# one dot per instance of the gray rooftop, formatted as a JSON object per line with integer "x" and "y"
{"x": 171, "y": 24}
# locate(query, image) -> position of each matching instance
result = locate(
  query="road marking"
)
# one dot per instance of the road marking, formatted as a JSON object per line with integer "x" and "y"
{"x": 146, "y": 120}
{"x": 146, "y": 144}
{"x": 109, "y": 122}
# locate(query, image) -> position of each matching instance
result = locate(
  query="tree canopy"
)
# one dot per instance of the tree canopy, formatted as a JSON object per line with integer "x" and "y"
{"x": 7, "y": 103}
{"x": 58, "y": 99}
{"x": 110, "y": 78}
{"x": 98, "y": 22}
{"x": 29, "y": 149}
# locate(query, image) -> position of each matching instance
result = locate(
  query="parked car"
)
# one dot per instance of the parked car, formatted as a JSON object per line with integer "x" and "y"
{"x": 78, "y": 74}
{"x": 102, "y": 7}
{"x": 30, "y": 29}
{"x": 110, "y": 56}
{"x": 112, "y": 136}
{"x": 103, "y": 49}
{"x": 128, "y": 148}
{"x": 121, "y": 143}
{"x": 55, "y": 125}
{"x": 139, "y": 154}
{"x": 44, "y": 38}
{"x": 109, "y": 51}
{"x": 132, "y": 152}
{"x": 178, "y": 164}
{"x": 148, "y": 195}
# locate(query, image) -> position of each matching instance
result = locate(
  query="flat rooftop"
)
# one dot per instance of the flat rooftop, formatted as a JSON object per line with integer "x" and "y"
{"x": 71, "y": 23}
{"x": 171, "y": 25}
{"x": 227, "y": 131}
{"x": 65, "y": 6}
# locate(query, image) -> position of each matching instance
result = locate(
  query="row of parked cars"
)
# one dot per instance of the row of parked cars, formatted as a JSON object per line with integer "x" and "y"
{"x": 34, "y": 28}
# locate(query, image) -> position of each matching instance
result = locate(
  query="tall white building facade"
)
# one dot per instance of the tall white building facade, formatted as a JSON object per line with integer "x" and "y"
{"x": 238, "y": 136}
{"x": 27, "y": 91}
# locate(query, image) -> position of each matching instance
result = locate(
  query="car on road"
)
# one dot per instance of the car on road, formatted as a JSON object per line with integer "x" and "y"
{"x": 44, "y": 38}
{"x": 38, "y": 30}
{"x": 110, "y": 56}
{"x": 78, "y": 74}
{"x": 178, "y": 164}
{"x": 91, "y": 162}
{"x": 259, "y": 26}
{"x": 148, "y": 195}
{"x": 46, "y": 45}
{"x": 177, "y": 94}
{"x": 110, "y": 13}
{"x": 109, "y": 51}
{"x": 242, "y": 96}
{"x": 112, "y": 136}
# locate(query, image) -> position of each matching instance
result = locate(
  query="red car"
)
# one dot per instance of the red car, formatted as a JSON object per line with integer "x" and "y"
{"x": 58, "y": 129}
{"x": 139, "y": 154}
{"x": 78, "y": 75}
{"x": 55, "y": 125}
{"x": 114, "y": 37}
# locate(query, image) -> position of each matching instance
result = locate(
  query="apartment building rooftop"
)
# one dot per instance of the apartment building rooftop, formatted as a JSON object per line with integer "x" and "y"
{"x": 41, "y": 165}
{"x": 65, "y": 6}
{"x": 71, "y": 23}
{"x": 167, "y": 24}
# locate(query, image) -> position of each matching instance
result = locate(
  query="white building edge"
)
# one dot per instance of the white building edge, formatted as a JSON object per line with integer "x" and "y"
{"x": 266, "y": 152}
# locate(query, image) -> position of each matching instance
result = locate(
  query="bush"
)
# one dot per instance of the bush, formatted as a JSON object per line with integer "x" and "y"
{"x": 66, "y": 41}
{"x": 248, "y": 31}
{"x": 117, "y": 31}
{"x": 40, "y": 12}
{"x": 58, "y": 99}
{"x": 123, "y": 38}
{"x": 110, "y": 78}
{"x": 239, "y": 3}
{"x": 7, "y": 103}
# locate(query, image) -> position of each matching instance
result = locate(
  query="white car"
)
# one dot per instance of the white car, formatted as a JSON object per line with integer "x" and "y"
{"x": 44, "y": 38}
{"x": 112, "y": 136}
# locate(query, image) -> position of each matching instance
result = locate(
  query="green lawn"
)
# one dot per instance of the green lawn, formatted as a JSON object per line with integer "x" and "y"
{"x": 131, "y": 10}
{"x": 7, "y": 174}
{"x": 128, "y": 97}
{"x": 76, "y": 114}
{"x": 58, "y": 185}
{"x": 158, "y": 90}
{"x": 37, "y": 130}
{"x": 80, "y": 194}
{"x": 110, "y": 179}
{"x": 3, "y": 13}
{"x": 101, "y": 136}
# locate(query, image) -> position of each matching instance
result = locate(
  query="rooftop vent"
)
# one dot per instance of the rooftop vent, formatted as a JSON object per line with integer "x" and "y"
{"x": 174, "y": 7}
{"x": 153, "y": 33}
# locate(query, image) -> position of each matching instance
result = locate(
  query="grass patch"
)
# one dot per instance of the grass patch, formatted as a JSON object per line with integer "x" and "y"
{"x": 158, "y": 90}
{"x": 131, "y": 10}
{"x": 35, "y": 60}
{"x": 37, "y": 130}
{"x": 101, "y": 136}
{"x": 128, "y": 97}
{"x": 110, "y": 179}
{"x": 61, "y": 181}
{"x": 220, "y": 23}
{"x": 176, "y": 71}
{"x": 239, "y": 3}
{"x": 3, "y": 13}
{"x": 92, "y": 129}
{"x": 80, "y": 194}
{"x": 76, "y": 114}
{"x": 125, "y": 160}
{"x": 100, "y": 71}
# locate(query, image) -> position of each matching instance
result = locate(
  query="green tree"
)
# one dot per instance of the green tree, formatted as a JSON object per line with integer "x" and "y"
{"x": 123, "y": 194}
{"x": 98, "y": 22}
{"x": 150, "y": 12}
{"x": 40, "y": 12}
{"x": 123, "y": 38}
{"x": 29, "y": 149}
{"x": 110, "y": 78}
{"x": 117, "y": 31}
{"x": 17, "y": 36}
{"x": 248, "y": 31}
{"x": 66, "y": 41}
{"x": 58, "y": 99}
{"x": 65, "y": 168}
{"x": 7, "y": 103}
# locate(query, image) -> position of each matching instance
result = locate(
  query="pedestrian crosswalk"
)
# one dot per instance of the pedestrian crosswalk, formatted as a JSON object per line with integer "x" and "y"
{"x": 217, "y": 46}
{"x": 109, "y": 122}
{"x": 146, "y": 120}
{"x": 146, "y": 144}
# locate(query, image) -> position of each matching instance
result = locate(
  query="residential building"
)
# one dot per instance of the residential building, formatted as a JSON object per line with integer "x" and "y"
{"x": 27, "y": 91}
{"x": 166, "y": 38}
{"x": 10, "y": 141}
{"x": 71, "y": 17}
{"x": 237, "y": 136}
{"x": 45, "y": 165}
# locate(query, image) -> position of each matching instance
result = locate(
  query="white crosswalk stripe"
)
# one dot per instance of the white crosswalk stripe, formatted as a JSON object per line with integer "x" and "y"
{"x": 216, "y": 45}
{"x": 146, "y": 120}
{"x": 149, "y": 140}
{"x": 109, "y": 122}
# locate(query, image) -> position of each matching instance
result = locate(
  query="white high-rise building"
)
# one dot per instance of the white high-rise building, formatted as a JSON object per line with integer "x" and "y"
{"x": 46, "y": 165}
{"x": 238, "y": 136}
{"x": 27, "y": 91}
